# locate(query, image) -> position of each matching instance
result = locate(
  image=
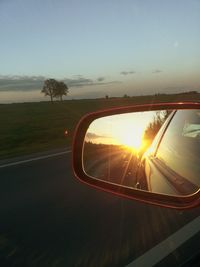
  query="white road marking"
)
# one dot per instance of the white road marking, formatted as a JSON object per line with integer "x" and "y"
{"x": 34, "y": 159}
{"x": 163, "y": 249}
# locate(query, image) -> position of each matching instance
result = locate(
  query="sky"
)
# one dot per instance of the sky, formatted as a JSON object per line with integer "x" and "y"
{"x": 118, "y": 130}
{"x": 112, "y": 47}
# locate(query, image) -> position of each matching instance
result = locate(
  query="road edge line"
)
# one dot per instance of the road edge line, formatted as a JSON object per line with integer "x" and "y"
{"x": 34, "y": 159}
{"x": 167, "y": 246}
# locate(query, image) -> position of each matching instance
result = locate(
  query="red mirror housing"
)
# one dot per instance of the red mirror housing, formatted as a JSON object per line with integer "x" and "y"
{"x": 178, "y": 202}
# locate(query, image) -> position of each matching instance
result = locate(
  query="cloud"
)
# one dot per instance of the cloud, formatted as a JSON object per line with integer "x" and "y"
{"x": 78, "y": 82}
{"x": 176, "y": 44}
{"x": 30, "y": 83}
{"x": 132, "y": 72}
{"x": 20, "y": 83}
{"x": 92, "y": 136}
{"x": 127, "y": 72}
{"x": 156, "y": 71}
{"x": 101, "y": 79}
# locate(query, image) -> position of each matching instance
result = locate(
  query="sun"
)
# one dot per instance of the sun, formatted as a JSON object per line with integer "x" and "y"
{"x": 131, "y": 137}
{"x": 123, "y": 130}
{"x": 132, "y": 141}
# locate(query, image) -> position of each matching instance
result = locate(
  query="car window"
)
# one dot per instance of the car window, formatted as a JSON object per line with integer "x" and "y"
{"x": 179, "y": 147}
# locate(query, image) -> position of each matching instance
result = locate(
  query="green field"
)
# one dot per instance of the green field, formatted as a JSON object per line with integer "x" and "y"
{"x": 34, "y": 127}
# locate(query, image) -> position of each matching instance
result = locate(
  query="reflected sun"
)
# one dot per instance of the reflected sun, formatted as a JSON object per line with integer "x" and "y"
{"x": 131, "y": 137}
{"x": 123, "y": 130}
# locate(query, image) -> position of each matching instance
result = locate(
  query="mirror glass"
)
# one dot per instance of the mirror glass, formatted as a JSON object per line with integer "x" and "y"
{"x": 156, "y": 151}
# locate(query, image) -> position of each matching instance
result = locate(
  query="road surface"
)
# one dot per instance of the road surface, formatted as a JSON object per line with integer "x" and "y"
{"x": 118, "y": 167}
{"x": 48, "y": 218}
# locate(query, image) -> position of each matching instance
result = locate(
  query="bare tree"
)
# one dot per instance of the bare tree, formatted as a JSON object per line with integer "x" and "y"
{"x": 49, "y": 88}
{"x": 61, "y": 89}
{"x": 54, "y": 88}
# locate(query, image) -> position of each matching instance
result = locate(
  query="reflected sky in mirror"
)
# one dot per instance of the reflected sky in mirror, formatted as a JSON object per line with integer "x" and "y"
{"x": 124, "y": 129}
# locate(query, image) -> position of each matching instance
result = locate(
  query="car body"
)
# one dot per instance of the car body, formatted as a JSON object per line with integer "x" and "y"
{"x": 171, "y": 165}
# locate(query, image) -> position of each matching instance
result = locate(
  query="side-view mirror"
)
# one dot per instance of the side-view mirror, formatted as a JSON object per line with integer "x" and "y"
{"x": 149, "y": 153}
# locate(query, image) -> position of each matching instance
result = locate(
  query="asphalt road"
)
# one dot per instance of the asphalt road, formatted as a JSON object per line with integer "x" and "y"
{"x": 119, "y": 166}
{"x": 48, "y": 218}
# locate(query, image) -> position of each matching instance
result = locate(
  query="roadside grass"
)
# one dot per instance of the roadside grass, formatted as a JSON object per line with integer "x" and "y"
{"x": 28, "y": 128}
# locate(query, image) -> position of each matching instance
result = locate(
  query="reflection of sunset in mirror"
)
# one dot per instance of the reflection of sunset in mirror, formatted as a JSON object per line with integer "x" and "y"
{"x": 124, "y": 129}
{"x": 130, "y": 136}
{"x": 114, "y": 146}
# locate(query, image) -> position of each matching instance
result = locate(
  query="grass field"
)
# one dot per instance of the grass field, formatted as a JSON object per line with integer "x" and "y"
{"x": 34, "y": 127}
